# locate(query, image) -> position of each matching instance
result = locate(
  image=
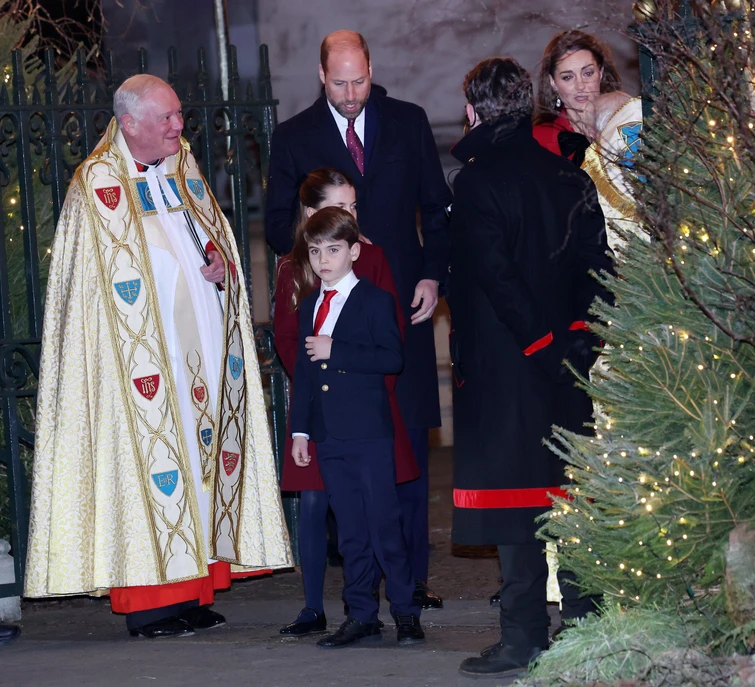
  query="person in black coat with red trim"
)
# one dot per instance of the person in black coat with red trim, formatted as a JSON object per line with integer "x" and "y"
{"x": 526, "y": 233}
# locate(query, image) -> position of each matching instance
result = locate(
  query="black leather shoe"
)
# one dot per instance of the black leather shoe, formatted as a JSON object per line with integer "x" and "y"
{"x": 350, "y": 632}
{"x": 409, "y": 630}
{"x": 500, "y": 661}
{"x": 9, "y": 634}
{"x": 309, "y": 622}
{"x": 495, "y": 600}
{"x": 168, "y": 627}
{"x": 202, "y": 618}
{"x": 425, "y": 597}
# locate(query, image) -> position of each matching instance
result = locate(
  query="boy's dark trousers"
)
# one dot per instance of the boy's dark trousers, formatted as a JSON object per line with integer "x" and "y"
{"x": 360, "y": 478}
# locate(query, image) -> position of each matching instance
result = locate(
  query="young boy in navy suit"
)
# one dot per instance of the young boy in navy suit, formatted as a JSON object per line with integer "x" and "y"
{"x": 349, "y": 340}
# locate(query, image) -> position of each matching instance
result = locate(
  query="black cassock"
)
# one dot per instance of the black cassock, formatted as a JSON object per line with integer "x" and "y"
{"x": 526, "y": 230}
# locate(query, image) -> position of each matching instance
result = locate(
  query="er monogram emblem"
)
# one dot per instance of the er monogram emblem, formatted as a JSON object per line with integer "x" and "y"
{"x": 109, "y": 196}
{"x": 166, "y": 482}
{"x": 230, "y": 461}
{"x": 147, "y": 386}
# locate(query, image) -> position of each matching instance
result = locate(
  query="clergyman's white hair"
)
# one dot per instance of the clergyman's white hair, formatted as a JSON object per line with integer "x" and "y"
{"x": 128, "y": 98}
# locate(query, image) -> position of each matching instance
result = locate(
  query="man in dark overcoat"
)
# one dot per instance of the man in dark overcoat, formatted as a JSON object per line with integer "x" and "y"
{"x": 387, "y": 147}
{"x": 526, "y": 232}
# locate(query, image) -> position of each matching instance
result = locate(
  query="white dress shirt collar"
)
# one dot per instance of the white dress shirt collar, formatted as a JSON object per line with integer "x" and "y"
{"x": 344, "y": 285}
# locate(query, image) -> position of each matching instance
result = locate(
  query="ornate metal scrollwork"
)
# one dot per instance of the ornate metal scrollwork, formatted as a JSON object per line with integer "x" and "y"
{"x": 18, "y": 365}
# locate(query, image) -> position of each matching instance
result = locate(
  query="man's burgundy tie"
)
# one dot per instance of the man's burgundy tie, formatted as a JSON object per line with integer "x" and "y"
{"x": 323, "y": 310}
{"x": 355, "y": 146}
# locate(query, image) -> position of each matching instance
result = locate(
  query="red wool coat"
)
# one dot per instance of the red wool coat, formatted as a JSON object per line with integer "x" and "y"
{"x": 372, "y": 265}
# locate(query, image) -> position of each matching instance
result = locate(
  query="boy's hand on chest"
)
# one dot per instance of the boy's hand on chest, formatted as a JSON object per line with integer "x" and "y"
{"x": 318, "y": 347}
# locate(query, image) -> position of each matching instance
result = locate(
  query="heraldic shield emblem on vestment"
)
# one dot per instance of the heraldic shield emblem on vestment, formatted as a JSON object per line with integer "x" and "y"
{"x": 129, "y": 290}
{"x": 166, "y": 482}
{"x": 230, "y": 460}
{"x": 196, "y": 186}
{"x": 236, "y": 364}
{"x": 109, "y": 196}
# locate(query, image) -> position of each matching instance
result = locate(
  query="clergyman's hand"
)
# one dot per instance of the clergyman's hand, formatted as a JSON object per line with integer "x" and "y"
{"x": 215, "y": 271}
{"x": 425, "y": 293}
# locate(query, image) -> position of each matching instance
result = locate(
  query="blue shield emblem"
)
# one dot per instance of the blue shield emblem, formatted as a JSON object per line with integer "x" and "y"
{"x": 145, "y": 197}
{"x": 129, "y": 290}
{"x": 630, "y": 134}
{"x": 206, "y": 435}
{"x": 166, "y": 482}
{"x": 196, "y": 186}
{"x": 236, "y": 365}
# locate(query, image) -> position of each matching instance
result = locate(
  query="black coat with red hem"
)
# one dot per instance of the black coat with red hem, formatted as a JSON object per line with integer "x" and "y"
{"x": 526, "y": 230}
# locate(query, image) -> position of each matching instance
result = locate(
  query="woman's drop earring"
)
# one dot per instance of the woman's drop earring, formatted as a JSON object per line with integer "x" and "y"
{"x": 558, "y": 103}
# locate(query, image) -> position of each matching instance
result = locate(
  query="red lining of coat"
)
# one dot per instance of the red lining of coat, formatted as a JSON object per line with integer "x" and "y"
{"x": 536, "y": 497}
{"x": 540, "y": 343}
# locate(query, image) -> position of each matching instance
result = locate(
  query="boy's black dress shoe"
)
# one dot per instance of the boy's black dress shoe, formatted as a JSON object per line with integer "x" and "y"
{"x": 167, "y": 627}
{"x": 202, "y": 618}
{"x": 9, "y": 634}
{"x": 350, "y": 632}
{"x": 409, "y": 630}
{"x": 425, "y": 597}
{"x": 500, "y": 661}
{"x": 309, "y": 622}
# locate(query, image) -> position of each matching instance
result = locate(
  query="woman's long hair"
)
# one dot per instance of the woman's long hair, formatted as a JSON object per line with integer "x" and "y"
{"x": 561, "y": 45}
{"x": 312, "y": 194}
{"x": 328, "y": 224}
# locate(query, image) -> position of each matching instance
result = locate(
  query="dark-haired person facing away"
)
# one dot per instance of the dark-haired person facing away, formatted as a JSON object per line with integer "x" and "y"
{"x": 349, "y": 340}
{"x": 386, "y": 146}
{"x": 526, "y": 230}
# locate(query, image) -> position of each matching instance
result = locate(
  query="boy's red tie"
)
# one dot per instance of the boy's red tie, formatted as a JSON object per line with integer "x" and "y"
{"x": 323, "y": 310}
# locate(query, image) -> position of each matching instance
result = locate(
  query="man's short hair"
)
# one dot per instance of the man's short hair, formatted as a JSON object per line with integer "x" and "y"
{"x": 341, "y": 40}
{"x": 129, "y": 96}
{"x": 499, "y": 87}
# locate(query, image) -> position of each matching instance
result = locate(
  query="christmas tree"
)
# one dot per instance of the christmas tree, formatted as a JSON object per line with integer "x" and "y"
{"x": 662, "y": 492}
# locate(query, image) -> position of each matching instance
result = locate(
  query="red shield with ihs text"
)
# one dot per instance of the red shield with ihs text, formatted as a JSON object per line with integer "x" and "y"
{"x": 109, "y": 196}
{"x": 230, "y": 461}
{"x": 147, "y": 386}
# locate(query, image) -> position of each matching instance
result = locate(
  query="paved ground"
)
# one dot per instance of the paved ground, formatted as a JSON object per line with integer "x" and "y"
{"x": 80, "y": 643}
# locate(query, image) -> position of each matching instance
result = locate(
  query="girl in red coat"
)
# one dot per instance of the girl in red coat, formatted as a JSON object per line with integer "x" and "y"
{"x": 325, "y": 188}
{"x": 576, "y": 68}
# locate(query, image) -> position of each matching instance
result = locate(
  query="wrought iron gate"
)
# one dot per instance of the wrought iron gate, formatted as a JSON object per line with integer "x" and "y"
{"x": 47, "y": 127}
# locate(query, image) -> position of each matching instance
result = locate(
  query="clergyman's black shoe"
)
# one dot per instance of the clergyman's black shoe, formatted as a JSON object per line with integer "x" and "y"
{"x": 425, "y": 597}
{"x": 500, "y": 661}
{"x": 9, "y": 634}
{"x": 351, "y": 631}
{"x": 309, "y": 622}
{"x": 495, "y": 599}
{"x": 202, "y": 618}
{"x": 409, "y": 630}
{"x": 168, "y": 627}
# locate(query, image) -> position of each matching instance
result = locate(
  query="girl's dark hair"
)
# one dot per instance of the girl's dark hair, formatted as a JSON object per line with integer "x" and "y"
{"x": 561, "y": 45}
{"x": 315, "y": 187}
{"x": 328, "y": 224}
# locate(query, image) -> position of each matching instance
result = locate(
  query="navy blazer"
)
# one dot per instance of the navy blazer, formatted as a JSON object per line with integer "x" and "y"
{"x": 402, "y": 174}
{"x": 345, "y": 397}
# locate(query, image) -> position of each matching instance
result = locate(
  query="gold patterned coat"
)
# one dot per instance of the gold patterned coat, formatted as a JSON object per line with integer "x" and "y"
{"x": 114, "y": 501}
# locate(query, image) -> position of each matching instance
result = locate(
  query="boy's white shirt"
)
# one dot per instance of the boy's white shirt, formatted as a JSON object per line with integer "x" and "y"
{"x": 344, "y": 288}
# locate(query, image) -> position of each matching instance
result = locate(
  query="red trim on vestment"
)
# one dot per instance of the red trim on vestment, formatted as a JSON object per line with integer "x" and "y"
{"x": 540, "y": 343}
{"x": 507, "y": 498}
{"x": 579, "y": 324}
{"x": 145, "y": 598}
